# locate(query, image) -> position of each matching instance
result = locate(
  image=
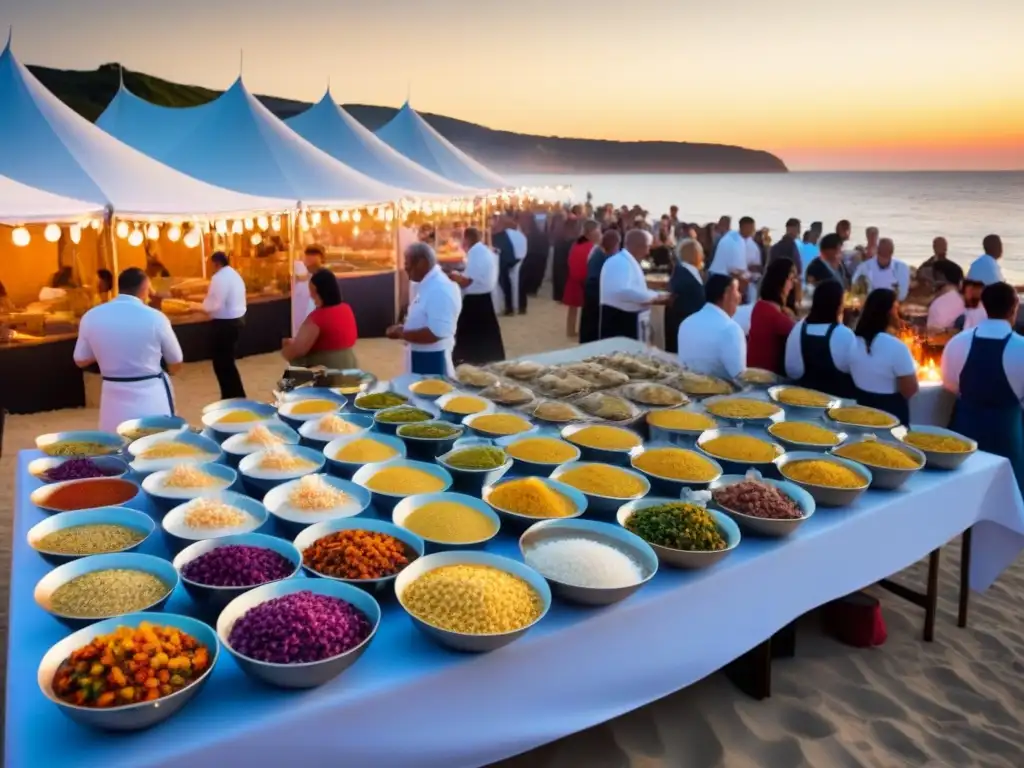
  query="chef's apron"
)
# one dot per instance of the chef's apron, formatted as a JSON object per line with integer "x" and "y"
{"x": 820, "y": 370}
{"x": 987, "y": 409}
{"x": 478, "y": 334}
{"x": 631, "y": 325}
{"x": 893, "y": 403}
{"x": 134, "y": 397}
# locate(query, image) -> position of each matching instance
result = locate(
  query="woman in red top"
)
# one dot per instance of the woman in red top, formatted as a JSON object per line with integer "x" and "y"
{"x": 770, "y": 320}
{"x": 328, "y": 335}
{"x": 578, "y": 255}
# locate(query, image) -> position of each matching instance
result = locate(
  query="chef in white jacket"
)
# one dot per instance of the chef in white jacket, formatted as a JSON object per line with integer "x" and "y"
{"x": 626, "y": 300}
{"x": 127, "y": 340}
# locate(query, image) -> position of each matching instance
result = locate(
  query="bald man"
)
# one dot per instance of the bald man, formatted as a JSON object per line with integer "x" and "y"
{"x": 687, "y": 286}
{"x": 926, "y": 281}
{"x": 625, "y": 298}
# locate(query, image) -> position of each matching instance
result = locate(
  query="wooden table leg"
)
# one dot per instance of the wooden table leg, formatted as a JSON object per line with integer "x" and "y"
{"x": 965, "y": 577}
{"x": 752, "y": 672}
{"x": 931, "y": 596}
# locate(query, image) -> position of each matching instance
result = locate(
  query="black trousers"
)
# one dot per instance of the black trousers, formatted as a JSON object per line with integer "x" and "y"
{"x": 225, "y": 342}
{"x": 505, "y": 281}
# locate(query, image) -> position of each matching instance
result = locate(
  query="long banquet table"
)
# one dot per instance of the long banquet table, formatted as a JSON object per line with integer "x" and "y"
{"x": 408, "y": 703}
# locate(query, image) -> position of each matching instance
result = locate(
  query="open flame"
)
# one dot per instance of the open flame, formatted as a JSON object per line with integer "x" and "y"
{"x": 928, "y": 369}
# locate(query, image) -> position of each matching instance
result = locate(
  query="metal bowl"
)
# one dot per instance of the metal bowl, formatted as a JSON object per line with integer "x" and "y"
{"x": 214, "y": 598}
{"x": 604, "y": 533}
{"x": 129, "y": 518}
{"x": 520, "y": 521}
{"x": 537, "y": 468}
{"x": 618, "y": 456}
{"x": 40, "y": 496}
{"x": 933, "y": 459}
{"x": 796, "y": 445}
{"x": 407, "y": 506}
{"x": 803, "y": 411}
{"x": 391, "y": 427}
{"x": 180, "y": 535}
{"x": 486, "y": 406}
{"x": 355, "y": 406}
{"x": 886, "y": 478}
{"x": 167, "y": 498}
{"x": 266, "y": 414}
{"x": 736, "y": 467}
{"x": 236, "y": 447}
{"x": 415, "y": 379}
{"x": 757, "y": 421}
{"x": 209, "y": 451}
{"x": 861, "y": 428}
{"x": 132, "y": 561}
{"x": 682, "y": 437}
{"x": 112, "y": 443}
{"x": 763, "y": 526}
{"x": 347, "y": 469}
{"x": 670, "y": 486}
{"x": 429, "y": 448}
{"x": 234, "y": 403}
{"x": 311, "y": 674}
{"x": 116, "y": 466}
{"x": 156, "y": 424}
{"x": 291, "y": 520}
{"x": 312, "y": 437}
{"x": 385, "y": 503}
{"x": 287, "y": 414}
{"x": 757, "y": 378}
{"x": 470, "y": 422}
{"x": 682, "y": 558}
{"x": 414, "y": 547}
{"x": 457, "y": 640}
{"x": 259, "y": 482}
{"x": 824, "y": 495}
{"x": 143, "y": 714}
{"x": 472, "y": 481}
{"x": 599, "y": 506}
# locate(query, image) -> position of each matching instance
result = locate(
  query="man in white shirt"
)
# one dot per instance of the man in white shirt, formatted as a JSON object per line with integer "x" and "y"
{"x": 985, "y": 269}
{"x": 710, "y": 341}
{"x": 948, "y": 304}
{"x": 738, "y": 255}
{"x": 478, "y": 334}
{"x": 625, "y": 298}
{"x": 313, "y": 258}
{"x": 433, "y": 317}
{"x": 128, "y": 340}
{"x": 884, "y": 271}
{"x": 519, "y": 248}
{"x": 225, "y": 304}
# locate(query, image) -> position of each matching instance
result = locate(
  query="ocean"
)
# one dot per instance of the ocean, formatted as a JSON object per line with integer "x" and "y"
{"x": 910, "y": 208}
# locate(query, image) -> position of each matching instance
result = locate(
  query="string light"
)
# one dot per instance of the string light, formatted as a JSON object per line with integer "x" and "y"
{"x": 333, "y": 216}
{"x": 152, "y": 232}
{"x": 304, "y": 222}
{"x": 192, "y": 238}
{"x": 204, "y": 227}
{"x": 174, "y": 233}
{"x": 122, "y": 229}
{"x": 355, "y": 230}
{"x": 356, "y": 216}
{"x": 249, "y": 225}
{"x": 345, "y": 216}
{"x": 96, "y": 224}
{"x": 51, "y": 233}
{"x": 262, "y": 223}
{"x": 75, "y": 233}
{"x": 389, "y": 215}
{"x": 221, "y": 226}
{"x": 135, "y": 238}
{"x": 256, "y": 238}
{"x": 316, "y": 218}
{"x": 20, "y": 237}
{"x": 236, "y": 227}
{"x": 275, "y": 223}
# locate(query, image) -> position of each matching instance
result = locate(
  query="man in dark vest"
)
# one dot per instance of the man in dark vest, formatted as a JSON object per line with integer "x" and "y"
{"x": 687, "y": 285}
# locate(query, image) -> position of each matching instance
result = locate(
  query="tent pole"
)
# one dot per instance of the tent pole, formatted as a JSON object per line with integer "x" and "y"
{"x": 108, "y": 232}
{"x": 202, "y": 250}
{"x": 397, "y": 219}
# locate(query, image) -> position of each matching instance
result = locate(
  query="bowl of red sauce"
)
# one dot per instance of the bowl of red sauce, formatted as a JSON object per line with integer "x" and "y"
{"x": 90, "y": 493}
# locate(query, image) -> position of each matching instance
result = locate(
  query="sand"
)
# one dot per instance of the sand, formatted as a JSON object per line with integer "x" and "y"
{"x": 956, "y": 702}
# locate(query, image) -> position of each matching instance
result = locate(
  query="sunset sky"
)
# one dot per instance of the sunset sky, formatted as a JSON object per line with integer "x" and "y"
{"x": 873, "y": 84}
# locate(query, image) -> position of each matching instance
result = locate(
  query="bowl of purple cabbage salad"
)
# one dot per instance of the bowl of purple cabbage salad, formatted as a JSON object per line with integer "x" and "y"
{"x": 216, "y": 571}
{"x": 57, "y": 469}
{"x": 299, "y": 633}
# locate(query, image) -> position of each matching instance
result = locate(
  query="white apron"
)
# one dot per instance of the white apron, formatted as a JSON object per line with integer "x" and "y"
{"x": 124, "y": 400}
{"x": 499, "y": 297}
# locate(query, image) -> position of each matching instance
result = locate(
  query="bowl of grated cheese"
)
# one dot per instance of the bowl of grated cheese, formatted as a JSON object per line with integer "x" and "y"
{"x": 224, "y": 513}
{"x": 313, "y": 499}
{"x": 170, "y": 487}
{"x": 256, "y": 439}
{"x": 317, "y": 433}
{"x": 168, "y": 449}
{"x": 269, "y": 468}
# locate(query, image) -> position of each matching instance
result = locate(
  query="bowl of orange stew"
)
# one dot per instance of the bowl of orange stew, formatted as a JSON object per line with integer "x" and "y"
{"x": 89, "y": 493}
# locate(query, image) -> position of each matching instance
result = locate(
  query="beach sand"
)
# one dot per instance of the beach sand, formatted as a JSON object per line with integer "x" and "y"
{"x": 956, "y": 702}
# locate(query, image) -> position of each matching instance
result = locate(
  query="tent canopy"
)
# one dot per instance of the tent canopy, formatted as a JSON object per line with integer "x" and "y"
{"x": 336, "y": 132}
{"x": 236, "y": 142}
{"x": 415, "y": 138}
{"x": 22, "y": 204}
{"x": 47, "y": 145}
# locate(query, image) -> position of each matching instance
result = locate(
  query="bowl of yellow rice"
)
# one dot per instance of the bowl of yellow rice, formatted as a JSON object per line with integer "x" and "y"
{"x": 670, "y": 468}
{"x": 539, "y": 453}
{"x": 447, "y": 521}
{"x": 391, "y": 481}
{"x": 737, "y": 450}
{"x": 602, "y": 442}
{"x": 522, "y": 501}
{"x": 809, "y": 403}
{"x": 831, "y": 480}
{"x": 860, "y": 418}
{"x": 890, "y": 461}
{"x": 679, "y": 425}
{"x": 942, "y": 448}
{"x": 347, "y": 455}
{"x": 166, "y": 449}
{"x": 750, "y": 409}
{"x": 498, "y": 424}
{"x": 799, "y": 435}
{"x": 230, "y": 420}
{"x": 606, "y": 487}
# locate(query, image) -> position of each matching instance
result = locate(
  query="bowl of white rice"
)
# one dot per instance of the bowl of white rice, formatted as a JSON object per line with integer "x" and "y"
{"x": 588, "y": 562}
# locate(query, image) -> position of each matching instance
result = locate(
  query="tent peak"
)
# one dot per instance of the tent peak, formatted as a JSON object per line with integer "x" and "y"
{"x": 10, "y": 38}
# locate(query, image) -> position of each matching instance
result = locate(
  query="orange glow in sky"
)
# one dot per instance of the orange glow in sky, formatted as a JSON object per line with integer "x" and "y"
{"x": 876, "y": 84}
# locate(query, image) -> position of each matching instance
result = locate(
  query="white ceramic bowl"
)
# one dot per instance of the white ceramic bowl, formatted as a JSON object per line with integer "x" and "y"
{"x": 232, "y": 402}
{"x": 618, "y": 456}
{"x": 407, "y": 506}
{"x": 347, "y": 469}
{"x": 886, "y": 478}
{"x": 130, "y": 518}
{"x": 151, "y": 424}
{"x": 823, "y": 495}
{"x": 683, "y": 558}
{"x": 763, "y": 526}
{"x": 40, "y": 496}
{"x": 457, "y": 640}
{"x": 143, "y": 714}
{"x": 113, "y": 443}
{"x": 292, "y": 519}
{"x": 238, "y": 446}
{"x": 167, "y": 498}
{"x": 598, "y": 506}
{"x": 265, "y": 414}
{"x": 937, "y": 459}
{"x": 114, "y": 465}
{"x": 313, "y": 437}
{"x": 259, "y": 481}
{"x": 520, "y": 521}
{"x": 209, "y": 451}
{"x": 385, "y": 503}
{"x": 180, "y": 534}
{"x": 311, "y": 674}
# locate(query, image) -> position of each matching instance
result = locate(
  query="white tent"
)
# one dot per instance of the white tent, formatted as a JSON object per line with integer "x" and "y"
{"x": 415, "y": 138}
{"x": 236, "y": 142}
{"x": 47, "y": 145}
{"x": 149, "y": 128}
{"x": 340, "y": 135}
{"x": 22, "y": 204}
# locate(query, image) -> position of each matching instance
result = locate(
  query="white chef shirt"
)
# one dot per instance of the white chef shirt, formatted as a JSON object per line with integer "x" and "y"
{"x": 437, "y": 306}
{"x": 743, "y": 316}
{"x": 127, "y": 339}
{"x": 225, "y": 299}
{"x": 876, "y": 372}
{"x": 482, "y": 269}
{"x": 731, "y": 255}
{"x": 985, "y": 269}
{"x": 954, "y": 357}
{"x": 945, "y": 309}
{"x": 302, "y": 304}
{"x": 519, "y": 243}
{"x": 623, "y": 285}
{"x": 895, "y": 277}
{"x": 840, "y": 347}
{"x": 974, "y": 317}
{"x": 710, "y": 342}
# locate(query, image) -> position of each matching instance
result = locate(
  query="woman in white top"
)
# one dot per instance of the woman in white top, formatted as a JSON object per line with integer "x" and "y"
{"x": 882, "y": 367}
{"x": 819, "y": 347}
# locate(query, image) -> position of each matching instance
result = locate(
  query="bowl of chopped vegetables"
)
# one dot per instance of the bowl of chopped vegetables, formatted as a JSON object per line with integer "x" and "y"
{"x": 426, "y": 440}
{"x": 942, "y": 448}
{"x": 831, "y": 480}
{"x": 388, "y": 420}
{"x": 82, "y": 444}
{"x": 475, "y": 462}
{"x": 170, "y": 487}
{"x": 891, "y": 462}
{"x": 90, "y": 675}
{"x": 604, "y": 486}
{"x": 136, "y": 429}
{"x": 683, "y": 534}
{"x": 70, "y": 535}
{"x": 57, "y": 470}
{"x": 762, "y": 506}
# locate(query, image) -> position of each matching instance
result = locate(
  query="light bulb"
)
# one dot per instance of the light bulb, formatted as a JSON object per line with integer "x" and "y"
{"x": 249, "y": 224}
{"x": 345, "y": 216}
{"x": 51, "y": 233}
{"x": 427, "y": 210}
{"x": 333, "y": 216}
{"x": 304, "y": 222}
{"x": 275, "y": 223}
{"x": 135, "y": 238}
{"x": 153, "y": 232}
{"x": 355, "y": 230}
{"x": 174, "y": 233}
{"x": 221, "y": 226}
{"x": 96, "y": 224}
{"x": 236, "y": 227}
{"x": 356, "y": 216}
{"x": 122, "y": 229}
{"x": 256, "y": 238}
{"x": 75, "y": 233}
{"x": 20, "y": 237}
{"x": 192, "y": 238}
{"x": 389, "y": 215}
{"x": 316, "y": 218}
{"x": 262, "y": 222}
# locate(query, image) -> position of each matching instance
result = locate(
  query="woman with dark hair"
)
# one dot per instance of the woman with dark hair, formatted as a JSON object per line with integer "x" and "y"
{"x": 818, "y": 348}
{"x": 770, "y": 320}
{"x": 535, "y": 265}
{"x": 883, "y": 370}
{"x": 328, "y": 335}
